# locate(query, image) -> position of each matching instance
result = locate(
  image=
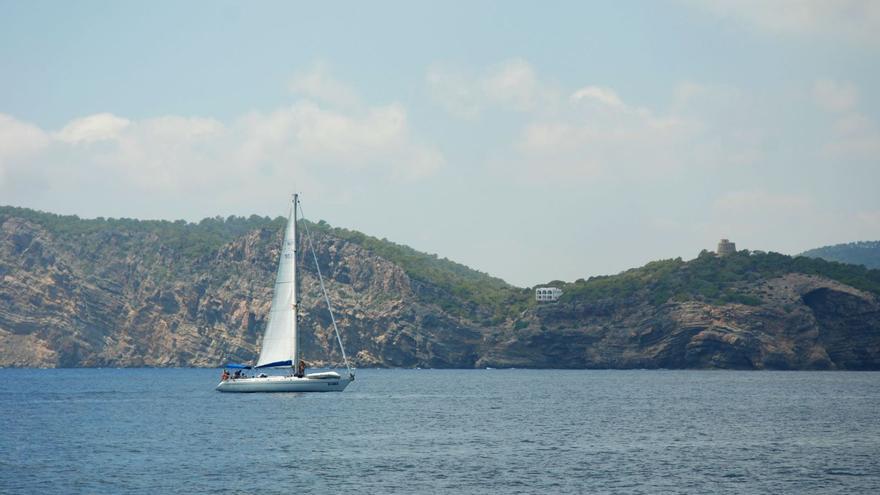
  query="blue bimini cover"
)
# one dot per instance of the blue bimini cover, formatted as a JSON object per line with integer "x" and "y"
{"x": 236, "y": 366}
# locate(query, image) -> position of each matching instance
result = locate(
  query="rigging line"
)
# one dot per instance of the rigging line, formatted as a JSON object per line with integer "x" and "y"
{"x": 323, "y": 289}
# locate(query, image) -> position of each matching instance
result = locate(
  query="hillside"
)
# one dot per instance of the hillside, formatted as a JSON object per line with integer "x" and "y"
{"x": 714, "y": 280}
{"x": 195, "y": 241}
{"x": 745, "y": 311}
{"x": 123, "y": 292}
{"x": 866, "y": 253}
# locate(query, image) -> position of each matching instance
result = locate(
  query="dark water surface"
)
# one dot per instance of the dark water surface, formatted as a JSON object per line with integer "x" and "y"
{"x": 432, "y": 431}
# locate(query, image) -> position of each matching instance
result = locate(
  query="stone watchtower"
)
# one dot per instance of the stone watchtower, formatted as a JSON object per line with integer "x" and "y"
{"x": 726, "y": 247}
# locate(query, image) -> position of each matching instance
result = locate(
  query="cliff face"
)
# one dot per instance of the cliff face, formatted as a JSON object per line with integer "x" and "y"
{"x": 133, "y": 302}
{"x": 803, "y": 322}
{"x": 125, "y": 298}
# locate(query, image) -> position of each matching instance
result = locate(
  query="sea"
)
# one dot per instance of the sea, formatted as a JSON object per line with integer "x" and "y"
{"x": 442, "y": 431}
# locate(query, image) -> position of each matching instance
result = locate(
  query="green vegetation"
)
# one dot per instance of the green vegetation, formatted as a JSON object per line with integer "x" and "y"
{"x": 713, "y": 279}
{"x": 866, "y": 253}
{"x": 191, "y": 240}
{"x": 464, "y": 290}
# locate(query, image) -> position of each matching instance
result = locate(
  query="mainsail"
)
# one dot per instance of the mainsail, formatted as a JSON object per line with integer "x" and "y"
{"x": 280, "y": 343}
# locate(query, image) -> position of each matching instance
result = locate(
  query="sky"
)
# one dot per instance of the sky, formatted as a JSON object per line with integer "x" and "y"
{"x": 533, "y": 141}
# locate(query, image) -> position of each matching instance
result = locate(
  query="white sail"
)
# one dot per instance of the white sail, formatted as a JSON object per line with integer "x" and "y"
{"x": 279, "y": 342}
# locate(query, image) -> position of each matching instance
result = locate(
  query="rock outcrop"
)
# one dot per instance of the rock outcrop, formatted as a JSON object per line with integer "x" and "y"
{"x": 127, "y": 298}
{"x": 133, "y": 302}
{"x": 804, "y": 322}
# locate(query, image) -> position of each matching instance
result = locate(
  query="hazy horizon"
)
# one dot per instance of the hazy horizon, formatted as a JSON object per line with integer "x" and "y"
{"x": 530, "y": 142}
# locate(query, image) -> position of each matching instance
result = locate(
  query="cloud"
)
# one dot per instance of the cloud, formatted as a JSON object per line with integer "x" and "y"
{"x": 168, "y": 153}
{"x": 512, "y": 85}
{"x": 602, "y": 95}
{"x": 318, "y": 84}
{"x": 592, "y": 133}
{"x": 207, "y": 162}
{"x": 19, "y": 138}
{"x": 92, "y": 128}
{"x": 377, "y": 138}
{"x": 596, "y": 135}
{"x": 454, "y": 91}
{"x": 854, "y": 20}
{"x": 18, "y": 141}
{"x": 599, "y": 136}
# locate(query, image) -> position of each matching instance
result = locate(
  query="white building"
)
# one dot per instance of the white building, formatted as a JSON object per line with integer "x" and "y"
{"x": 545, "y": 294}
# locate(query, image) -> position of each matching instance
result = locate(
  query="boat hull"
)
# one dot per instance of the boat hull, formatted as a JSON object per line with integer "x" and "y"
{"x": 283, "y": 384}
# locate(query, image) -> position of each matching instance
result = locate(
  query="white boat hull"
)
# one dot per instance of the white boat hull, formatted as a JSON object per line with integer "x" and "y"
{"x": 283, "y": 384}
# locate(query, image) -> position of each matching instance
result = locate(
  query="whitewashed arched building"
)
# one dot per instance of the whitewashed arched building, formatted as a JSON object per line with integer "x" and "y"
{"x": 547, "y": 294}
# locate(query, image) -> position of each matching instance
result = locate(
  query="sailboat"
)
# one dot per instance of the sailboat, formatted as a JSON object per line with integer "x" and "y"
{"x": 281, "y": 342}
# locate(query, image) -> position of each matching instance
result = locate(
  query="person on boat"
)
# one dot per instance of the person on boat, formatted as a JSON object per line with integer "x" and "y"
{"x": 237, "y": 374}
{"x": 224, "y": 376}
{"x": 300, "y": 369}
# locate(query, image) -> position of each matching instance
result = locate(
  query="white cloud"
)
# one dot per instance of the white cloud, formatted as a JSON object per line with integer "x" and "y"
{"x": 590, "y": 134}
{"x": 603, "y": 95}
{"x": 594, "y": 133}
{"x": 613, "y": 141}
{"x": 18, "y": 141}
{"x": 318, "y": 84}
{"x": 19, "y": 138}
{"x": 854, "y": 20}
{"x": 511, "y": 85}
{"x": 92, "y": 128}
{"x": 204, "y": 161}
{"x": 455, "y": 91}
{"x": 376, "y": 138}
{"x": 169, "y": 153}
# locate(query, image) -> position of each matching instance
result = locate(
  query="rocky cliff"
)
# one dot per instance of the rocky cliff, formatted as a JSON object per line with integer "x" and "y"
{"x": 129, "y": 297}
{"x": 131, "y": 301}
{"x": 802, "y": 322}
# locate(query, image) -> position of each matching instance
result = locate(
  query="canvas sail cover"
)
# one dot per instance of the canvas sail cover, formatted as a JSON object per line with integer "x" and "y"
{"x": 279, "y": 341}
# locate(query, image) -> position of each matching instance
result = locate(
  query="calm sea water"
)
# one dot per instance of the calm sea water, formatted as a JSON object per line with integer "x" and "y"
{"x": 433, "y": 431}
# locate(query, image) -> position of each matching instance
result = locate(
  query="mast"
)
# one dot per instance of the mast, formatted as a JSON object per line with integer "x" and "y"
{"x": 295, "y": 354}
